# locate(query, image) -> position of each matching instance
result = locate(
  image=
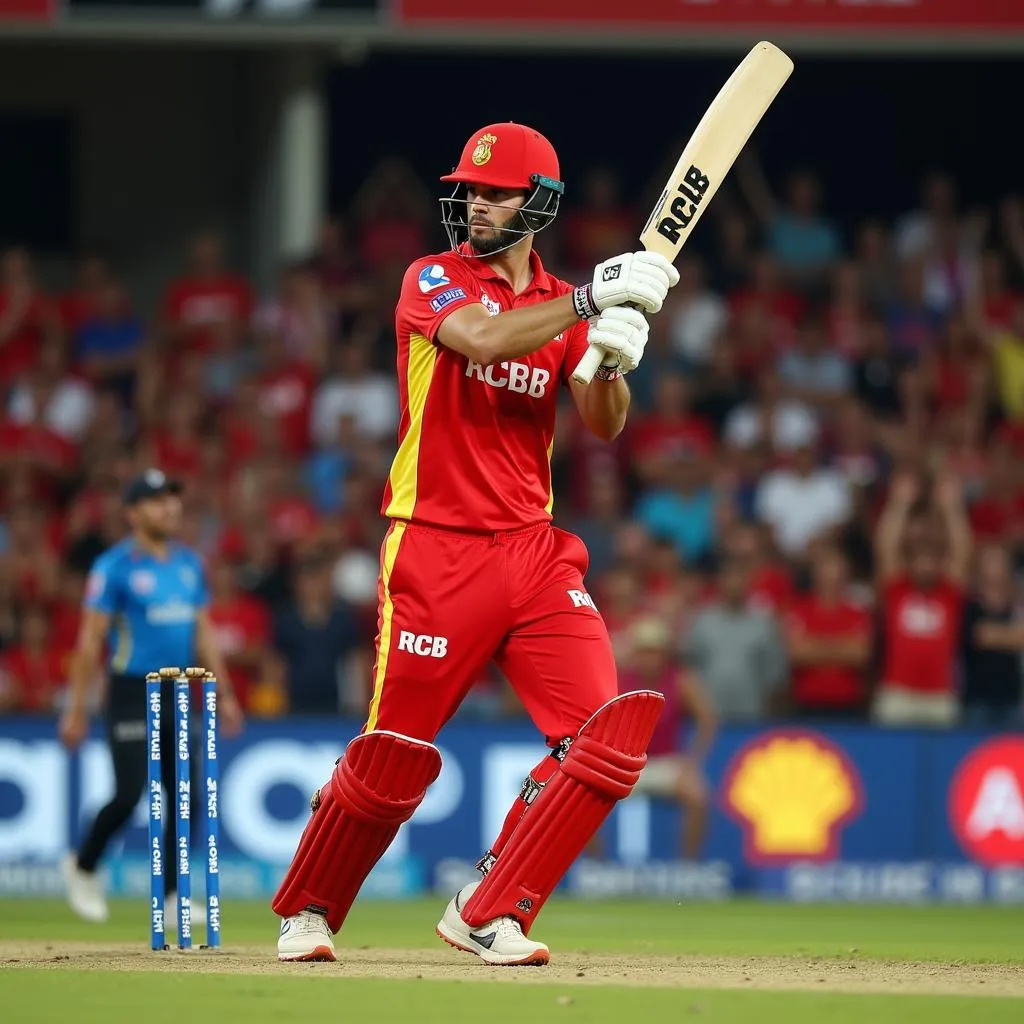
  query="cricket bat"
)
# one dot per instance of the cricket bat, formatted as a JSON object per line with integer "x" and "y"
{"x": 711, "y": 151}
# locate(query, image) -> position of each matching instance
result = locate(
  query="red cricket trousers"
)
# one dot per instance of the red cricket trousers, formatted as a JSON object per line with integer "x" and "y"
{"x": 450, "y": 602}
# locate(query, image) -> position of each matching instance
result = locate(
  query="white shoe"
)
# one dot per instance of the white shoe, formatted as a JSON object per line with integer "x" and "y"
{"x": 171, "y": 912}
{"x": 305, "y": 936}
{"x": 500, "y": 942}
{"x": 84, "y": 892}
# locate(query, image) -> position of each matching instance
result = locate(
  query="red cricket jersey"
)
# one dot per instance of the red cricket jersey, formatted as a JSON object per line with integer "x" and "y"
{"x": 922, "y": 634}
{"x": 285, "y": 396}
{"x": 240, "y": 622}
{"x": 34, "y": 679}
{"x": 200, "y": 303}
{"x": 825, "y": 685}
{"x": 474, "y": 441}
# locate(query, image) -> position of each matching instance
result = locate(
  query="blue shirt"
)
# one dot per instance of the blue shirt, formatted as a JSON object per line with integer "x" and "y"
{"x": 153, "y": 604}
{"x": 325, "y": 474}
{"x": 108, "y": 338}
{"x": 803, "y": 243}
{"x": 689, "y": 522}
{"x": 314, "y": 652}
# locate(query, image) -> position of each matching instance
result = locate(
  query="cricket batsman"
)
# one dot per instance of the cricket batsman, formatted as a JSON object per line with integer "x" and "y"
{"x": 472, "y": 569}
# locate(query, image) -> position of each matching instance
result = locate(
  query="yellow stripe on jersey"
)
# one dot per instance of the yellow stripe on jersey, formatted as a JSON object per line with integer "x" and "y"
{"x": 551, "y": 484}
{"x": 405, "y": 468}
{"x": 380, "y": 669}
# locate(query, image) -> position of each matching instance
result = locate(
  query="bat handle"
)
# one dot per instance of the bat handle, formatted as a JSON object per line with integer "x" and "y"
{"x": 587, "y": 366}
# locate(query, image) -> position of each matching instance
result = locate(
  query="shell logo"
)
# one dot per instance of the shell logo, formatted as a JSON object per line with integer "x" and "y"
{"x": 792, "y": 791}
{"x": 986, "y": 802}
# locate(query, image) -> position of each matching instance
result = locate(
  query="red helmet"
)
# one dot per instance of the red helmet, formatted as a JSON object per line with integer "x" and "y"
{"x": 508, "y": 156}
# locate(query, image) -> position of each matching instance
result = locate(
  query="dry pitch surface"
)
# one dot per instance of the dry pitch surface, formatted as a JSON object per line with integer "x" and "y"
{"x": 776, "y": 973}
{"x": 612, "y": 963}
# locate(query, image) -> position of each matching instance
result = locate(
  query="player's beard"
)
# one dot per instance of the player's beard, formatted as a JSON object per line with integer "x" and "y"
{"x": 497, "y": 238}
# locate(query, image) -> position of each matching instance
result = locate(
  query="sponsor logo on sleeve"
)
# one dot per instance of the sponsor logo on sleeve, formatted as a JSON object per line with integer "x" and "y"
{"x": 432, "y": 277}
{"x": 438, "y": 302}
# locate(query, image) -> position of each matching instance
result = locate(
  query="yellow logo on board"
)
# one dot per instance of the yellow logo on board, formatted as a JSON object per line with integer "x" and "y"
{"x": 482, "y": 153}
{"x": 792, "y": 791}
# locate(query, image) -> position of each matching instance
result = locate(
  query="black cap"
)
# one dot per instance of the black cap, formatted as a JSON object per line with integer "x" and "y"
{"x": 150, "y": 484}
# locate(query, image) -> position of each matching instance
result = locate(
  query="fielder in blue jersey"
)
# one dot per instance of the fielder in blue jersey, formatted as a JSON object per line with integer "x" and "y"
{"x": 146, "y": 601}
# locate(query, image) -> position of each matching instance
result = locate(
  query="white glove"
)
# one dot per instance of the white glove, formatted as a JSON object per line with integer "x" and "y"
{"x": 620, "y": 333}
{"x": 640, "y": 279}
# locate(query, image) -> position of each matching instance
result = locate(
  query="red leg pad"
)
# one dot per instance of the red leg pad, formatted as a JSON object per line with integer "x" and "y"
{"x": 600, "y": 769}
{"x": 376, "y": 786}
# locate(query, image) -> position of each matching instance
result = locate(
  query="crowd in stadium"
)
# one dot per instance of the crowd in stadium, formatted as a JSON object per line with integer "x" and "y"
{"x": 816, "y": 509}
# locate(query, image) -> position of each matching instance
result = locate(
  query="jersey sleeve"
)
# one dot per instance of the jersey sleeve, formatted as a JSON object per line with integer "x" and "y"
{"x": 575, "y": 348}
{"x": 432, "y": 291}
{"x": 103, "y": 588}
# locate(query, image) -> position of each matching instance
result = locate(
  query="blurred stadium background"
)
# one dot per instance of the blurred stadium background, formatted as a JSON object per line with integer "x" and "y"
{"x": 205, "y": 210}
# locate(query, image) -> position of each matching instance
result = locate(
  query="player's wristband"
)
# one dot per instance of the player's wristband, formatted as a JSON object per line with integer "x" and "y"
{"x": 583, "y": 302}
{"x": 608, "y": 372}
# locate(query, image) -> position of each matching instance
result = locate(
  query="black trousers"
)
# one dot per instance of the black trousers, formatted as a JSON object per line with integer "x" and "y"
{"x": 127, "y": 738}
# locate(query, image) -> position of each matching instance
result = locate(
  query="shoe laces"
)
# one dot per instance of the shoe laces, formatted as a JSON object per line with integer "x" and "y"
{"x": 508, "y": 928}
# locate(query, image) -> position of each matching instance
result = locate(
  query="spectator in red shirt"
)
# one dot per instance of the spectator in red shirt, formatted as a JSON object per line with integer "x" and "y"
{"x": 289, "y": 511}
{"x": 673, "y": 772}
{"x": 602, "y": 224}
{"x": 955, "y": 374}
{"x": 66, "y": 615}
{"x": 207, "y": 300}
{"x": 47, "y": 459}
{"x": 669, "y": 431}
{"x": 285, "y": 393}
{"x": 766, "y": 294}
{"x": 242, "y": 627}
{"x": 175, "y": 444}
{"x": 619, "y": 595}
{"x": 998, "y": 514}
{"x": 32, "y": 671}
{"x": 393, "y": 209}
{"x": 27, "y": 317}
{"x": 829, "y": 640}
{"x": 847, "y": 311}
{"x": 578, "y": 457}
{"x": 922, "y": 597}
{"x": 300, "y": 314}
{"x": 771, "y": 584}
{"x": 31, "y": 557}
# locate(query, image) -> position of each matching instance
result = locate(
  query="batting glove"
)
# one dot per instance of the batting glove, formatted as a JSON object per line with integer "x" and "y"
{"x": 640, "y": 279}
{"x": 620, "y": 332}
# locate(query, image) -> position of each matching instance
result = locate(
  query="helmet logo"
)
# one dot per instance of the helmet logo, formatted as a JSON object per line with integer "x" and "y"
{"x": 482, "y": 153}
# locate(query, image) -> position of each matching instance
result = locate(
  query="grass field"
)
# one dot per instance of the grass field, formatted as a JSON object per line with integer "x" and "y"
{"x": 733, "y": 962}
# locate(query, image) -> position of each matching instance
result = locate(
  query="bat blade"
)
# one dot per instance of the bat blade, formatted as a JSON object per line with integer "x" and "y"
{"x": 712, "y": 150}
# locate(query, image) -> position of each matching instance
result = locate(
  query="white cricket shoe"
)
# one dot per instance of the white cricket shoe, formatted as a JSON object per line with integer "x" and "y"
{"x": 500, "y": 942}
{"x": 305, "y": 936}
{"x": 84, "y": 892}
{"x": 171, "y": 912}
